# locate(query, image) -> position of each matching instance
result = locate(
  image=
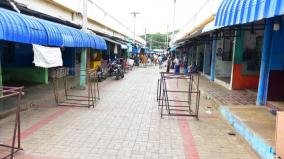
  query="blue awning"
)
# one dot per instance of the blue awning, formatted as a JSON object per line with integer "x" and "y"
{"x": 233, "y": 12}
{"x": 173, "y": 48}
{"x": 14, "y": 27}
{"x": 100, "y": 42}
{"x": 135, "y": 50}
{"x": 26, "y": 29}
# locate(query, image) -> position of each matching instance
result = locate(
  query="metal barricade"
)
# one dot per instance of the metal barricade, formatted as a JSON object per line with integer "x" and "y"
{"x": 15, "y": 146}
{"x": 168, "y": 99}
{"x": 74, "y": 100}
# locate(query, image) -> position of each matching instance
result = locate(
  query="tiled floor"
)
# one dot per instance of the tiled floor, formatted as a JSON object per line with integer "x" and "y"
{"x": 225, "y": 96}
{"x": 124, "y": 124}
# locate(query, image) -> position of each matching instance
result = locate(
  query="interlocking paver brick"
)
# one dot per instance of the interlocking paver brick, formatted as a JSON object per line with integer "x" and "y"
{"x": 125, "y": 124}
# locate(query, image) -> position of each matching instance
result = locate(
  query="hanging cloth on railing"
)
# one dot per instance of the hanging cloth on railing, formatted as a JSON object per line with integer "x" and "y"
{"x": 47, "y": 57}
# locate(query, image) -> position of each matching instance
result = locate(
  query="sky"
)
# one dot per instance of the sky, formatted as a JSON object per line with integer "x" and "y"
{"x": 155, "y": 15}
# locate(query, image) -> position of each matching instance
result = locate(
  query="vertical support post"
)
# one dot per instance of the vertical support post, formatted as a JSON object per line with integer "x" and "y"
{"x": 145, "y": 35}
{"x": 265, "y": 64}
{"x": 237, "y": 57}
{"x": 174, "y": 20}
{"x": 167, "y": 36}
{"x": 191, "y": 54}
{"x": 197, "y": 55}
{"x": 134, "y": 25}
{"x": 213, "y": 60}
{"x": 204, "y": 58}
{"x": 83, "y": 67}
{"x": 84, "y": 50}
{"x": 45, "y": 75}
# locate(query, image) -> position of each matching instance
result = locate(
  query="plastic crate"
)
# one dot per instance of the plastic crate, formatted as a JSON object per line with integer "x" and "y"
{"x": 57, "y": 72}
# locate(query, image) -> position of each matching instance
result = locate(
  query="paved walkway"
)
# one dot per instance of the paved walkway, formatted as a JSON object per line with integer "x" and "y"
{"x": 124, "y": 124}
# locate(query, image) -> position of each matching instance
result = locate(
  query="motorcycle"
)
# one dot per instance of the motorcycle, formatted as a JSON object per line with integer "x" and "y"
{"x": 115, "y": 69}
{"x": 100, "y": 74}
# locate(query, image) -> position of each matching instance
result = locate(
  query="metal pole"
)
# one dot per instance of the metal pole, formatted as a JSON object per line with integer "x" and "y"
{"x": 166, "y": 40}
{"x": 84, "y": 50}
{"x": 214, "y": 47}
{"x": 204, "y": 58}
{"x": 134, "y": 27}
{"x": 134, "y": 34}
{"x": 167, "y": 35}
{"x": 85, "y": 16}
{"x": 173, "y": 34}
{"x": 146, "y": 35}
{"x": 150, "y": 44}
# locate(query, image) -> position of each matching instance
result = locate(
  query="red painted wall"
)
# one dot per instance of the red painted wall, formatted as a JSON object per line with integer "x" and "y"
{"x": 243, "y": 81}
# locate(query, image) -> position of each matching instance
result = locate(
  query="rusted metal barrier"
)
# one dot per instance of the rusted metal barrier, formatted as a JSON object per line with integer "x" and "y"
{"x": 73, "y": 100}
{"x": 168, "y": 98}
{"x": 7, "y": 92}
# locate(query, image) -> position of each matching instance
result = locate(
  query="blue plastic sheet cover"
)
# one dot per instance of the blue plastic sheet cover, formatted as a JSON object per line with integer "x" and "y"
{"x": 100, "y": 42}
{"x": 21, "y": 28}
{"x": 53, "y": 34}
{"x": 233, "y": 12}
{"x": 26, "y": 29}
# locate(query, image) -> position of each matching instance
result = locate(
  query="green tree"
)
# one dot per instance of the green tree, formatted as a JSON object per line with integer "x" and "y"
{"x": 158, "y": 40}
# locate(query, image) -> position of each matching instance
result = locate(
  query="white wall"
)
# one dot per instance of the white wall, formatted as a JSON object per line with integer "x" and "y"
{"x": 99, "y": 21}
{"x": 203, "y": 14}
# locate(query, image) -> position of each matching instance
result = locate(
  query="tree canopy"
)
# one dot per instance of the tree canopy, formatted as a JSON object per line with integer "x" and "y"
{"x": 157, "y": 40}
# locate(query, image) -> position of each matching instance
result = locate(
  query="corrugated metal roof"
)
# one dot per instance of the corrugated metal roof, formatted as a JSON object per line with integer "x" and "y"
{"x": 21, "y": 28}
{"x": 100, "y": 42}
{"x": 54, "y": 36}
{"x": 26, "y": 29}
{"x": 233, "y": 12}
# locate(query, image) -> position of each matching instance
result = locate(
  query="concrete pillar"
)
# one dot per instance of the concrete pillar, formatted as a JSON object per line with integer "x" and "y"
{"x": 238, "y": 48}
{"x": 237, "y": 56}
{"x": 204, "y": 58}
{"x": 213, "y": 60}
{"x": 83, "y": 68}
{"x": 197, "y": 55}
{"x": 45, "y": 75}
{"x": 265, "y": 64}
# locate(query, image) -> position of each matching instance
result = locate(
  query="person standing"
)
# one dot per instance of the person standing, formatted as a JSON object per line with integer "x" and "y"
{"x": 145, "y": 60}
{"x": 160, "y": 60}
{"x": 169, "y": 64}
{"x": 176, "y": 62}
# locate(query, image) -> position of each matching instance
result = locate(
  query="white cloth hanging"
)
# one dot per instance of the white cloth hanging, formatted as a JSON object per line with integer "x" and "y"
{"x": 47, "y": 57}
{"x": 115, "y": 49}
